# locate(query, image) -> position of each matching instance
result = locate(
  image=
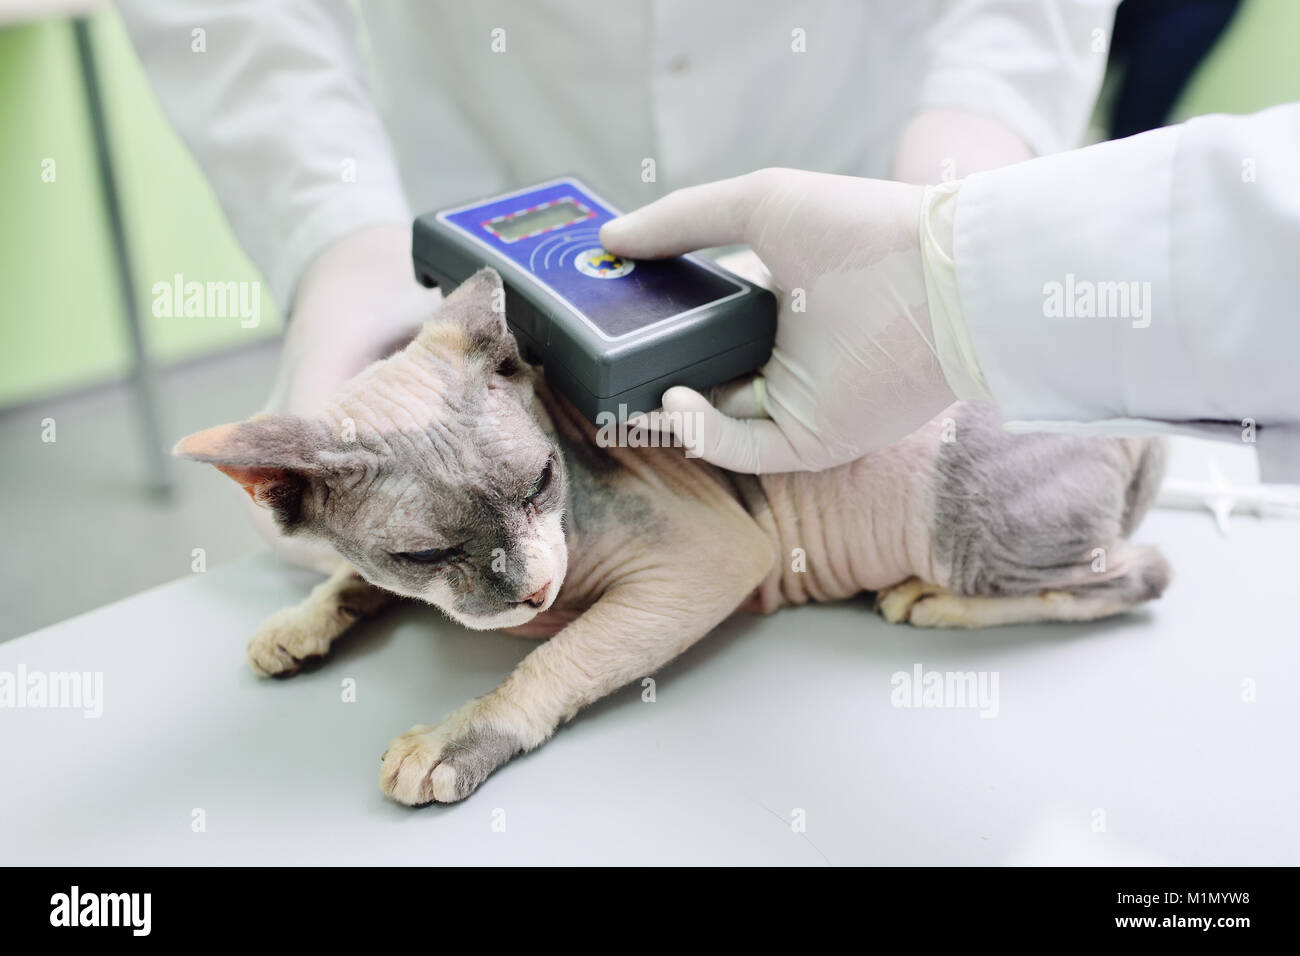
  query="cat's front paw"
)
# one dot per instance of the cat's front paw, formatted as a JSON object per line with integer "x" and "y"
{"x": 285, "y": 641}
{"x": 445, "y": 763}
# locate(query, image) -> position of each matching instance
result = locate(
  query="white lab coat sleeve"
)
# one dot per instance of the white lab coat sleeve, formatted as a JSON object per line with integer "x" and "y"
{"x": 1034, "y": 65}
{"x": 1150, "y": 281}
{"x": 271, "y": 100}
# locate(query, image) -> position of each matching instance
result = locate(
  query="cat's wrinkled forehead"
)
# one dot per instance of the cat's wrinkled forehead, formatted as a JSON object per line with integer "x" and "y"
{"x": 448, "y": 457}
{"x": 457, "y": 385}
{"x": 423, "y": 406}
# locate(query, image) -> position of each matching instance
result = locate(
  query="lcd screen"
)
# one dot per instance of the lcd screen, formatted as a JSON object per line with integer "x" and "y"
{"x": 531, "y": 222}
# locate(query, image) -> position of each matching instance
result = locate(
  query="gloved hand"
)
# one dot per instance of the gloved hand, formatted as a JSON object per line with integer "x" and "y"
{"x": 358, "y": 301}
{"x": 855, "y": 366}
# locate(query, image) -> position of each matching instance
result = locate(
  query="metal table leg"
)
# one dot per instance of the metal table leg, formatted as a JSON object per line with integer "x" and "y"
{"x": 142, "y": 383}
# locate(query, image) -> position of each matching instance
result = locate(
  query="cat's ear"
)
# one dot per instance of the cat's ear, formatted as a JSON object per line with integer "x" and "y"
{"x": 272, "y": 457}
{"x": 474, "y": 316}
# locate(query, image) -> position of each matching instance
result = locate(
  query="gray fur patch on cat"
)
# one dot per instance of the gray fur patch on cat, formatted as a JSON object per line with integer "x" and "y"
{"x": 1019, "y": 514}
{"x": 476, "y": 754}
{"x": 596, "y": 504}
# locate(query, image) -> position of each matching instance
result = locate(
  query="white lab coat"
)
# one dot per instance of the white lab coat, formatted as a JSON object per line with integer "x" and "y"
{"x": 283, "y": 107}
{"x": 1207, "y": 215}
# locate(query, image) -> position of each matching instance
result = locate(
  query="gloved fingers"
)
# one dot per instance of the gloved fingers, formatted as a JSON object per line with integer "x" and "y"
{"x": 741, "y": 397}
{"x": 749, "y": 446}
{"x": 746, "y": 264}
{"x": 698, "y": 217}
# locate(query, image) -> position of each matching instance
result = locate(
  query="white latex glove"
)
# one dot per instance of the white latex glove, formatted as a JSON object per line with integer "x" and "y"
{"x": 944, "y": 145}
{"x": 855, "y": 365}
{"x": 357, "y": 302}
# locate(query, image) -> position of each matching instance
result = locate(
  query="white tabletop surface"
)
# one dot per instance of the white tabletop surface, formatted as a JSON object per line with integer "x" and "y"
{"x": 1120, "y": 741}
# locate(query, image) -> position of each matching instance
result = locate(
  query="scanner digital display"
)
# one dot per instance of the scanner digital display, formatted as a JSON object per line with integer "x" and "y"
{"x": 536, "y": 220}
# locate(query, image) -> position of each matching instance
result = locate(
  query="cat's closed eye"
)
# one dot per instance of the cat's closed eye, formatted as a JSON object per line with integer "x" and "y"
{"x": 541, "y": 484}
{"x": 431, "y": 555}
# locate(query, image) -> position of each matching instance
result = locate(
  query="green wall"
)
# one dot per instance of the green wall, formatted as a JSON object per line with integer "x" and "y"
{"x": 1255, "y": 65}
{"x": 61, "y": 324}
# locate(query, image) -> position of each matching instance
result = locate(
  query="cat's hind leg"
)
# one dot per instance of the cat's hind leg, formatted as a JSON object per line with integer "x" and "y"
{"x": 1034, "y": 527}
{"x": 1139, "y": 574}
{"x": 306, "y": 630}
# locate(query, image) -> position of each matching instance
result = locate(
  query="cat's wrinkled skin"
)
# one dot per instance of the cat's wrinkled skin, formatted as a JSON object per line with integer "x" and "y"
{"x": 451, "y": 474}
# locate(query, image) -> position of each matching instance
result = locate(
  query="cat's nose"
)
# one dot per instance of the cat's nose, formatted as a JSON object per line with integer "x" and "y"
{"x": 538, "y": 597}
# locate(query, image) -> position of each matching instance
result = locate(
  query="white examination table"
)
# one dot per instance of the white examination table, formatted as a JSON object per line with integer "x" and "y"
{"x": 1120, "y": 741}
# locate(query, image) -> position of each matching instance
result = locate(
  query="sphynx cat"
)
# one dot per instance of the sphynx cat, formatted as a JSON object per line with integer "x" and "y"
{"x": 449, "y": 473}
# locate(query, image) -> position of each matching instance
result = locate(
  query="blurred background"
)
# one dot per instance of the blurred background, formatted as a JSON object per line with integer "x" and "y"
{"x": 101, "y": 201}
